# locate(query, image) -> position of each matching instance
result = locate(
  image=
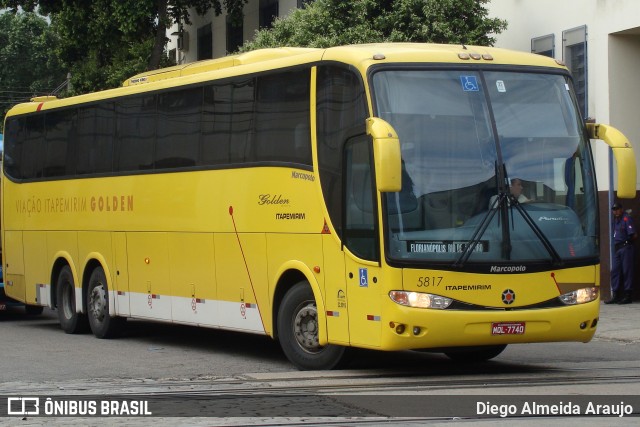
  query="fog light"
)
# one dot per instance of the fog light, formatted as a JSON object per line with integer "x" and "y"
{"x": 416, "y": 330}
{"x": 399, "y": 329}
{"x": 583, "y": 325}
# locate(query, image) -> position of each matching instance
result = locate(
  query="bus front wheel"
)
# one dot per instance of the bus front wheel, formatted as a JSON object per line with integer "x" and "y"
{"x": 102, "y": 324}
{"x": 298, "y": 332}
{"x": 71, "y": 321}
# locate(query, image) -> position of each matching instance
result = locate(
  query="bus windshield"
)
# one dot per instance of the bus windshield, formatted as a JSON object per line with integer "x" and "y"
{"x": 496, "y": 168}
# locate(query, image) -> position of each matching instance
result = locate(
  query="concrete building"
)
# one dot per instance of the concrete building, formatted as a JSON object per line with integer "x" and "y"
{"x": 211, "y": 36}
{"x": 599, "y": 40}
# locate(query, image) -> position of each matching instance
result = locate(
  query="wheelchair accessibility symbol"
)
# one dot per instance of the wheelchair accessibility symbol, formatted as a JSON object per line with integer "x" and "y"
{"x": 469, "y": 83}
{"x": 364, "y": 278}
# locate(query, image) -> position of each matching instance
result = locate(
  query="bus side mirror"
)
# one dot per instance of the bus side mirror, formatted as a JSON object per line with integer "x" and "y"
{"x": 386, "y": 154}
{"x": 623, "y": 152}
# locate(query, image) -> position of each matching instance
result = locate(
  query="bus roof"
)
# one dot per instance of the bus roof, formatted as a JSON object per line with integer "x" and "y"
{"x": 360, "y": 56}
{"x": 354, "y": 54}
{"x": 216, "y": 64}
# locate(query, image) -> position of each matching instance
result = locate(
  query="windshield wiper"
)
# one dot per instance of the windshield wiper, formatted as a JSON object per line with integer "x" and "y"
{"x": 500, "y": 204}
{"x": 557, "y": 260}
{"x": 480, "y": 229}
{"x": 495, "y": 206}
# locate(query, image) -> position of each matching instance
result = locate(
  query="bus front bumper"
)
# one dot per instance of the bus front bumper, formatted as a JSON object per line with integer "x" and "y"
{"x": 413, "y": 328}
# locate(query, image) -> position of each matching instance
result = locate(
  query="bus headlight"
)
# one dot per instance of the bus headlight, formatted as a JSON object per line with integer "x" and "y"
{"x": 420, "y": 300}
{"x": 580, "y": 296}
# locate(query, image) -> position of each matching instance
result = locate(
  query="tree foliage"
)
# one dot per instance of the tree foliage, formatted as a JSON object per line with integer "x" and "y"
{"x": 325, "y": 23}
{"x": 28, "y": 69}
{"x": 102, "y": 42}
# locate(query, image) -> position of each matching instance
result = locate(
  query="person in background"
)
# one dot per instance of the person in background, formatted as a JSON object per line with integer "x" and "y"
{"x": 624, "y": 233}
{"x": 516, "y": 191}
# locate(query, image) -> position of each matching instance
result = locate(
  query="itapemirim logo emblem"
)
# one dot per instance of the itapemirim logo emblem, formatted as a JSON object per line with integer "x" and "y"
{"x": 508, "y": 296}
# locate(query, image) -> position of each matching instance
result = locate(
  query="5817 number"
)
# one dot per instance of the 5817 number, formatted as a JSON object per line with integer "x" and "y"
{"x": 429, "y": 281}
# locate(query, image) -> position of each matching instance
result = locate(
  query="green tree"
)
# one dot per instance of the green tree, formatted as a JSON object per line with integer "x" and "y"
{"x": 325, "y": 23}
{"x": 102, "y": 42}
{"x": 27, "y": 67}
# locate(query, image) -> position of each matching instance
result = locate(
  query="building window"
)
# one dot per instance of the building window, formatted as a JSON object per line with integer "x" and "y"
{"x": 544, "y": 45}
{"x": 303, "y": 3}
{"x": 574, "y": 47}
{"x": 268, "y": 13}
{"x": 173, "y": 55}
{"x": 205, "y": 42}
{"x": 234, "y": 36}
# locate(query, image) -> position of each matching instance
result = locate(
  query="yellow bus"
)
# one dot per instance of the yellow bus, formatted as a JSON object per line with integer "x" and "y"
{"x": 359, "y": 196}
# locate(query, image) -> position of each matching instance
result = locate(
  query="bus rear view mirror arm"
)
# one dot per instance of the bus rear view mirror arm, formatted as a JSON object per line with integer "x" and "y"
{"x": 386, "y": 152}
{"x": 623, "y": 152}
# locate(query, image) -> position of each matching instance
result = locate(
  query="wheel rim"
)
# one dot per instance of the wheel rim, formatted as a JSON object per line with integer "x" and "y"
{"x": 305, "y": 327}
{"x": 68, "y": 303}
{"x": 97, "y": 302}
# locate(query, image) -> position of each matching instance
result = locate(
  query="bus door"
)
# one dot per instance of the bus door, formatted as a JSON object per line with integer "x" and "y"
{"x": 361, "y": 248}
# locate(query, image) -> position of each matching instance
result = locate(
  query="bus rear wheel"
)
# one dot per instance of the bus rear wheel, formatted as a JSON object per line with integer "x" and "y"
{"x": 475, "y": 354}
{"x": 71, "y": 321}
{"x": 298, "y": 332}
{"x": 102, "y": 324}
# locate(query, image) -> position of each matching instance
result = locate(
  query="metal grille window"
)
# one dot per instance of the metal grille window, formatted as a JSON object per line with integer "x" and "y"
{"x": 268, "y": 13}
{"x": 205, "y": 42}
{"x": 234, "y": 35}
{"x": 574, "y": 46}
{"x": 544, "y": 45}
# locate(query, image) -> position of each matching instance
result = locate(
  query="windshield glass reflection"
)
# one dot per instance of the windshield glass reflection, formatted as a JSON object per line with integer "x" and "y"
{"x": 495, "y": 167}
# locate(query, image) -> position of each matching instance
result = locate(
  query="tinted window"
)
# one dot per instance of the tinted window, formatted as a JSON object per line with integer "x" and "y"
{"x": 360, "y": 212}
{"x": 282, "y": 118}
{"x": 59, "y": 143}
{"x": 94, "y": 138}
{"x": 32, "y": 150}
{"x": 244, "y": 120}
{"x": 14, "y": 135}
{"x": 178, "y": 128}
{"x": 341, "y": 114}
{"x": 242, "y": 126}
{"x": 135, "y": 134}
{"x": 216, "y": 124}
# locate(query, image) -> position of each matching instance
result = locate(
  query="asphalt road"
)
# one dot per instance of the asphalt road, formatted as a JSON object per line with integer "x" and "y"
{"x": 179, "y": 362}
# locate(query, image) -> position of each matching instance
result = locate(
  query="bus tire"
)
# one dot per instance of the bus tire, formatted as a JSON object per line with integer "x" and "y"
{"x": 476, "y": 354}
{"x": 102, "y": 324}
{"x": 71, "y": 321}
{"x": 297, "y": 327}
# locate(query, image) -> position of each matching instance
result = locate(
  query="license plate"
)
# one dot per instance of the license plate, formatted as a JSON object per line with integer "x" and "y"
{"x": 510, "y": 328}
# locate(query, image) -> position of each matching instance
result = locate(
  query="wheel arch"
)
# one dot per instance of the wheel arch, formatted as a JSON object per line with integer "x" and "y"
{"x": 61, "y": 260}
{"x": 288, "y": 276}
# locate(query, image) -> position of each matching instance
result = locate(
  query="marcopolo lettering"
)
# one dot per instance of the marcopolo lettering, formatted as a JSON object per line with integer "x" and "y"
{"x": 508, "y": 269}
{"x": 304, "y": 176}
